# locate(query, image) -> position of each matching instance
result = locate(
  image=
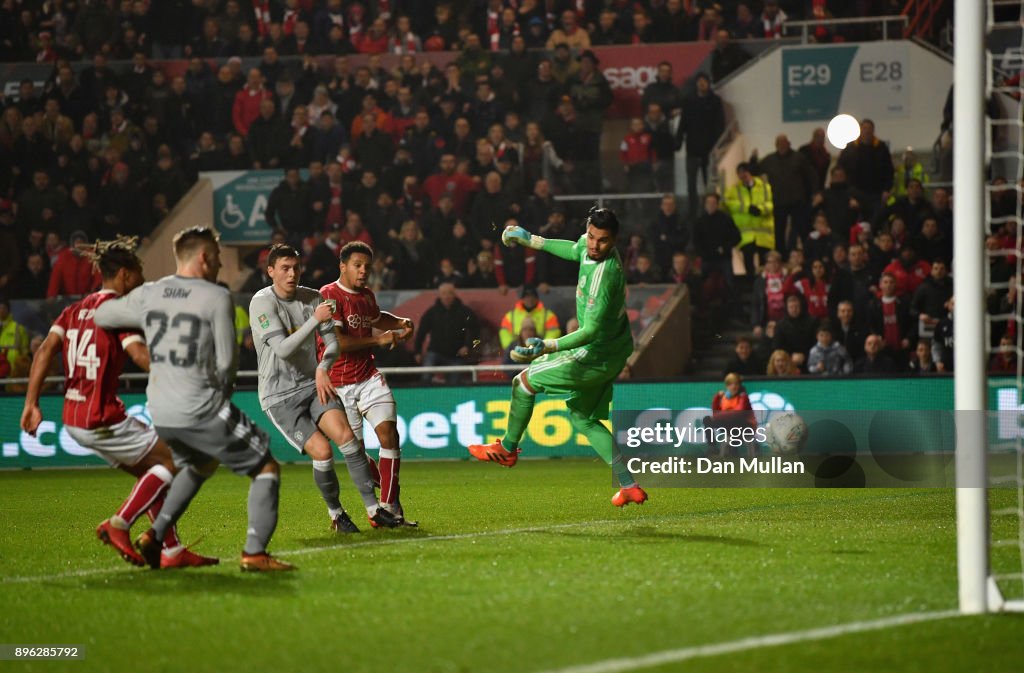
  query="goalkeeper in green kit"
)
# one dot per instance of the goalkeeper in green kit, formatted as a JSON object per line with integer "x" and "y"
{"x": 583, "y": 364}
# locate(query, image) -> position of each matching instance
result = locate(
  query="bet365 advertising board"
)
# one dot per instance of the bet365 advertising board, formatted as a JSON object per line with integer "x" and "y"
{"x": 437, "y": 422}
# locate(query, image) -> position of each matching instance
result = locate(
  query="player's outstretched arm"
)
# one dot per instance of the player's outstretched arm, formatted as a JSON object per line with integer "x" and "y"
{"x": 535, "y": 346}
{"x": 389, "y": 321}
{"x": 598, "y": 307}
{"x": 267, "y": 327}
{"x": 580, "y": 337}
{"x": 515, "y": 235}
{"x": 588, "y": 332}
{"x": 349, "y": 344}
{"x": 392, "y": 321}
{"x": 121, "y": 313}
{"x": 32, "y": 416}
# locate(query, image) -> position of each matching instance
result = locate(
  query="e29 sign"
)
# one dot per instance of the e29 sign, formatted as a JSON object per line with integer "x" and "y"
{"x": 808, "y": 75}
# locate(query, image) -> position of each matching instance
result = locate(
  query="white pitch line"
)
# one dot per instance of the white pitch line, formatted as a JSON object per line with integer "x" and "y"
{"x": 65, "y": 575}
{"x": 334, "y": 547}
{"x": 752, "y": 643}
{"x": 454, "y": 536}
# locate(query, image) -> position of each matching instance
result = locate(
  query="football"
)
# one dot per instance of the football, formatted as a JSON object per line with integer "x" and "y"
{"x": 787, "y": 434}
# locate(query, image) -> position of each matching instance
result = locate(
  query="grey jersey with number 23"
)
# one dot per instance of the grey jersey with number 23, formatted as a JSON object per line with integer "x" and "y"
{"x": 190, "y": 331}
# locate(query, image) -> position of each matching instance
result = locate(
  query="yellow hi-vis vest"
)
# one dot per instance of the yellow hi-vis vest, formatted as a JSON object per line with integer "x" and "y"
{"x": 756, "y": 229}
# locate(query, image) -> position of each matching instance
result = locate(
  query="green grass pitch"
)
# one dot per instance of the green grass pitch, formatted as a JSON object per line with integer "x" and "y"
{"x": 521, "y": 570}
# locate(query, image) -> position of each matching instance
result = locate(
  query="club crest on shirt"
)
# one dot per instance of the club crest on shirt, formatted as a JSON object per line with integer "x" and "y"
{"x": 583, "y": 281}
{"x": 264, "y": 320}
{"x": 356, "y": 321}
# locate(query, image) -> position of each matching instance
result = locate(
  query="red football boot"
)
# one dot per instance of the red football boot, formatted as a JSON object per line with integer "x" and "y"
{"x": 628, "y": 495}
{"x": 495, "y": 453}
{"x": 186, "y": 558}
{"x": 121, "y": 541}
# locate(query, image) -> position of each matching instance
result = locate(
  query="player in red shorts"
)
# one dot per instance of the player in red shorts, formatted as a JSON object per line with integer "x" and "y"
{"x": 93, "y": 414}
{"x": 362, "y": 389}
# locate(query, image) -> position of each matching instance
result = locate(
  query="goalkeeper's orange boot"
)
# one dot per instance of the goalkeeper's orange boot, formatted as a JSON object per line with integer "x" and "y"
{"x": 121, "y": 541}
{"x": 186, "y": 558}
{"x": 495, "y": 453}
{"x": 263, "y": 562}
{"x": 628, "y": 495}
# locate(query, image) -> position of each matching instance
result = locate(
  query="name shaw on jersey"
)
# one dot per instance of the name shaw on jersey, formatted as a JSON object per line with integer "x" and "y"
{"x": 176, "y": 293}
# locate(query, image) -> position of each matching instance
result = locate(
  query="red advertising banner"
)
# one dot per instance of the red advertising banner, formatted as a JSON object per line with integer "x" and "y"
{"x": 629, "y": 69}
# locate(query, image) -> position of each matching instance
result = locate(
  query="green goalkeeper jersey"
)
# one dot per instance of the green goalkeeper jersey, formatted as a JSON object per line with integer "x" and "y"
{"x": 604, "y": 335}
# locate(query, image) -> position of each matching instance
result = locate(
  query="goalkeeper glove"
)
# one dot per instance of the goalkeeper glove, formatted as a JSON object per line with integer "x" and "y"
{"x": 514, "y": 235}
{"x": 534, "y": 348}
{"x": 754, "y": 210}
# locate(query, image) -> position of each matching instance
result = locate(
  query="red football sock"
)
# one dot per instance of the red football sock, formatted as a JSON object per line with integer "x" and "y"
{"x": 171, "y": 536}
{"x": 147, "y": 489}
{"x": 388, "y": 463}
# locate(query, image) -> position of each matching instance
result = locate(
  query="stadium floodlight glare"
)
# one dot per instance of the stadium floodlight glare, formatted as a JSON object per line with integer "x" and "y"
{"x": 843, "y": 130}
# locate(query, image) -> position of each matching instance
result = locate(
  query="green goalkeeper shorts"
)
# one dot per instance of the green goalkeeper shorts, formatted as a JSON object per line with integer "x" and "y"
{"x": 588, "y": 386}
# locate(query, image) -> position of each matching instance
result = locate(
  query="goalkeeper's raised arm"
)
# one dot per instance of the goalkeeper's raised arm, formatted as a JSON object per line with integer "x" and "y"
{"x": 516, "y": 235}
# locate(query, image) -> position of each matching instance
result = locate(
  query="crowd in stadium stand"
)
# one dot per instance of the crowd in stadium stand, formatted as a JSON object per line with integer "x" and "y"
{"x": 428, "y": 164}
{"x": 856, "y": 272}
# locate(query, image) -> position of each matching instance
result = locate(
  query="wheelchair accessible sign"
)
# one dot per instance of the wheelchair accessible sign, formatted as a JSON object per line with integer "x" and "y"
{"x": 240, "y": 204}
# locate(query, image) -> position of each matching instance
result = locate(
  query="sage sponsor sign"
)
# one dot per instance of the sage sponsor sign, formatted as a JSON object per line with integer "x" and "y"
{"x": 629, "y": 70}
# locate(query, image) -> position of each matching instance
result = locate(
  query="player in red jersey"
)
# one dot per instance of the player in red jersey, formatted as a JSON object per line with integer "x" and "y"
{"x": 362, "y": 389}
{"x": 93, "y": 414}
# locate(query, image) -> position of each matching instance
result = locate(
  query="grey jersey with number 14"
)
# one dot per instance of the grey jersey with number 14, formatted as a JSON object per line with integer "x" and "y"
{"x": 190, "y": 331}
{"x": 272, "y": 320}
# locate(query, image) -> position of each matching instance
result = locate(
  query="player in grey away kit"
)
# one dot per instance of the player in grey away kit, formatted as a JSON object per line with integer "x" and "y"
{"x": 296, "y": 393}
{"x": 188, "y": 321}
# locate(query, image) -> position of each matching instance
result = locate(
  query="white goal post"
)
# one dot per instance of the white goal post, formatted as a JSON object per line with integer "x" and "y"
{"x": 969, "y": 79}
{"x": 979, "y": 590}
